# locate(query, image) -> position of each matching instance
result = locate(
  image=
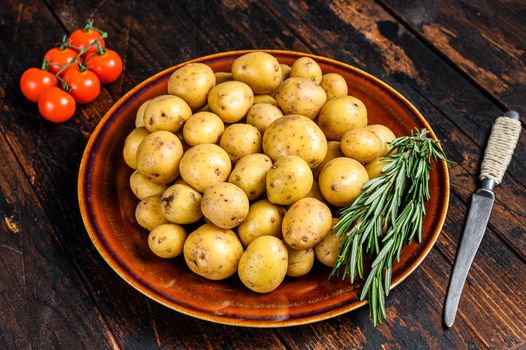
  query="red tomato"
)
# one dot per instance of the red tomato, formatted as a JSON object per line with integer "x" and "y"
{"x": 107, "y": 66}
{"x": 56, "y": 105}
{"x": 34, "y": 81}
{"x": 58, "y": 58}
{"x": 81, "y": 39}
{"x": 84, "y": 86}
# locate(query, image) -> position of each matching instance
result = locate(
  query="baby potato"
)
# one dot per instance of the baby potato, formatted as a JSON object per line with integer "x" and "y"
{"x": 384, "y": 133}
{"x": 230, "y": 100}
{"x": 132, "y": 142}
{"x": 167, "y": 113}
{"x": 204, "y": 165}
{"x": 238, "y": 140}
{"x": 340, "y": 115}
{"x": 192, "y": 83}
{"x": 148, "y": 213}
{"x": 181, "y": 204}
{"x": 261, "y": 115}
{"x": 285, "y": 71}
{"x": 142, "y": 187}
{"x": 288, "y": 180}
{"x": 306, "y": 67}
{"x": 264, "y": 264}
{"x": 362, "y": 145}
{"x": 374, "y": 168}
{"x": 341, "y": 181}
{"x": 158, "y": 157}
{"x": 295, "y": 135}
{"x": 139, "y": 118}
{"x": 334, "y": 85}
{"x": 306, "y": 223}
{"x": 203, "y": 127}
{"x": 259, "y": 70}
{"x": 225, "y": 205}
{"x": 328, "y": 249}
{"x": 167, "y": 240}
{"x": 315, "y": 192}
{"x": 250, "y": 173}
{"x": 333, "y": 151}
{"x": 212, "y": 252}
{"x": 265, "y": 99}
{"x": 300, "y": 96}
{"x": 221, "y": 77}
{"x": 300, "y": 261}
{"x": 263, "y": 219}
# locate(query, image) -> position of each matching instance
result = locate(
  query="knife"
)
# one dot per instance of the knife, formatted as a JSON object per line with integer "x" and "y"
{"x": 497, "y": 156}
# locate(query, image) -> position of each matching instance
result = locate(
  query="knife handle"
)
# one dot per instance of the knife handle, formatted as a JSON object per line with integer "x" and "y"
{"x": 501, "y": 144}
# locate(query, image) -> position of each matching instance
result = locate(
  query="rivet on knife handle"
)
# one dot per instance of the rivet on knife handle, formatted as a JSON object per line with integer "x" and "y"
{"x": 501, "y": 144}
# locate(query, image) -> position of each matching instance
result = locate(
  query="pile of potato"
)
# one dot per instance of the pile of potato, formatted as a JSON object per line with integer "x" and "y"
{"x": 258, "y": 156}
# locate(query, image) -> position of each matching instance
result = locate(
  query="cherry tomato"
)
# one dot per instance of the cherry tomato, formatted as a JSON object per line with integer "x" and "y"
{"x": 81, "y": 38}
{"x": 84, "y": 86}
{"x": 34, "y": 81}
{"x": 107, "y": 66}
{"x": 57, "y": 58}
{"x": 56, "y": 105}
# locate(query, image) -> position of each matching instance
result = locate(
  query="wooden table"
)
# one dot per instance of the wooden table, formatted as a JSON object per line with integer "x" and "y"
{"x": 460, "y": 62}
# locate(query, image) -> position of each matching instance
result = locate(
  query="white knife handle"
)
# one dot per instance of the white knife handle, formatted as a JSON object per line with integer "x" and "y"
{"x": 501, "y": 144}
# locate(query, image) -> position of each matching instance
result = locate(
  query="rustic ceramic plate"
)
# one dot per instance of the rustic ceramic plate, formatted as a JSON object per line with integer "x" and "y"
{"x": 107, "y": 206}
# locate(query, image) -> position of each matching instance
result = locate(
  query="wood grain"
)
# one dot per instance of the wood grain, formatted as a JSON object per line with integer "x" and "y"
{"x": 483, "y": 38}
{"x": 361, "y": 33}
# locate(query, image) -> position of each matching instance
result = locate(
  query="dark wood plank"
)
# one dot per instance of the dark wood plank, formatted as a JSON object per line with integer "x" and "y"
{"x": 43, "y": 302}
{"x": 484, "y": 38}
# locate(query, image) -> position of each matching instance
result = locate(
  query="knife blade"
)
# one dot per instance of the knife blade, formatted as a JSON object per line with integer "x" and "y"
{"x": 501, "y": 144}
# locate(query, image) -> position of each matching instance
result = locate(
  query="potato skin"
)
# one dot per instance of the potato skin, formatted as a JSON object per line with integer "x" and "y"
{"x": 192, "y": 83}
{"x": 204, "y": 165}
{"x": 203, "y": 127}
{"x": 288, "y": 180}
{"x": 238, "y": 140}
{"x": 285, "y": 71}
{"x": 139, "y": 118}
{"x": 341, "y": 181}
{"x": 263, "y": 219}
{"x": 259, "y": 70}
{"x": 362, "y": 145}
{"x": 341, "y": 114}
{"x": 334, "y": 85}
{"x": 261, "y": 115}
{"x": 265, "y": 99}
{"x": 221, "y": 77}
{"x": 328, "y": 249}
{"x": 374, "y": 168}
{"x": 384, "y": 133}
{"x": 306, "y": 223}
{"x": 263, "y": 265}
{"x": 181, "y": 204}
{"x": 300, "y": 96}
{"x": 212, "y": 252}
{"x": 132, "y": 142}
{"x": 158, "y": 157}
{"x": 306, "y": 67}
{"x": 300, "y": 261}
{"x": 230, "y": 100}
{"x": 295, "y": 135}
{"x": 333, "y": 151}
{"x": 148, "y": 213}
{"x": 167, "y": 113}
{"x": 167, "y": 240}
{"x": 142, "y": 187}
{"x": 250, "y": 174}
{"x": 315, "y": 192}
{"x": 225, "y": 205}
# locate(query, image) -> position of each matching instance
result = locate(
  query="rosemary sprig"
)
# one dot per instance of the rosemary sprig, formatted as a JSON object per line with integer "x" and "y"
{"x": 387, "y": 214}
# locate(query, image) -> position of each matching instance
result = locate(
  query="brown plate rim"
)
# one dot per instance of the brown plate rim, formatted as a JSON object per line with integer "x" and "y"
{"x": 112, "y": 260}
